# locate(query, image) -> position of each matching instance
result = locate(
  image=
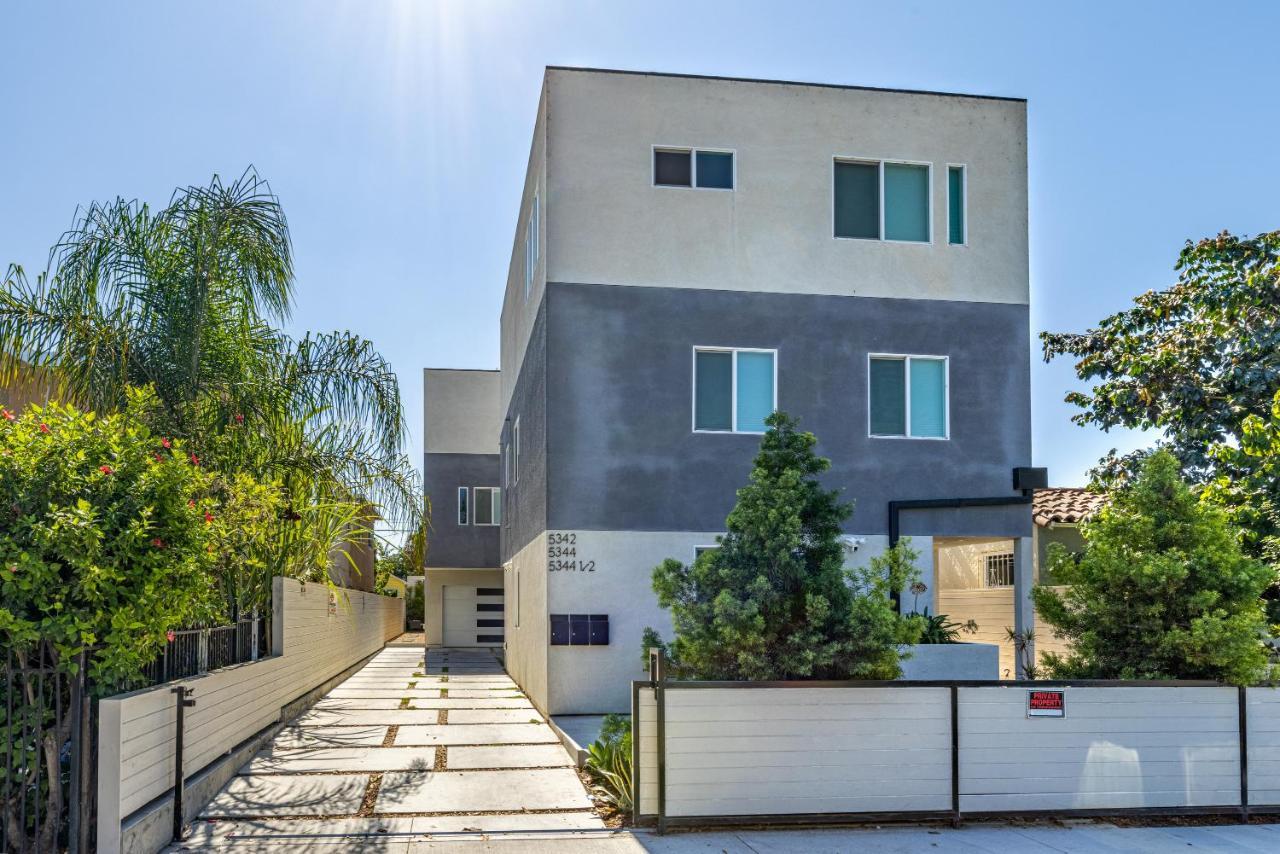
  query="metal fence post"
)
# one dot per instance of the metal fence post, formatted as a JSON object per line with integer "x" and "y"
{"x": 1243, "y": 700}
{"x": 179, "y": 779}
{"x": 81, "y": 770}
{"x": 658, "y": 678}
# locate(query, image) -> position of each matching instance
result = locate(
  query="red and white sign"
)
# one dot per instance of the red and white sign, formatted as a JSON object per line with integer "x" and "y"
{"x": 1046, "y": 704}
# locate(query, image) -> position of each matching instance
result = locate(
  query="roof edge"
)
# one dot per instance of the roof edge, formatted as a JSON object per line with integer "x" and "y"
{"x": 784, "y": 83}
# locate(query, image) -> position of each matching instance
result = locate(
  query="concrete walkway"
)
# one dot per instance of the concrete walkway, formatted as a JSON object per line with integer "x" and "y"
{"x": 403, "y": 747}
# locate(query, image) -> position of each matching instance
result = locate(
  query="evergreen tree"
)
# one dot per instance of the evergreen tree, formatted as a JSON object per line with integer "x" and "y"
{"x": 774, "y": 601}
{"x": 1162, "y": 591}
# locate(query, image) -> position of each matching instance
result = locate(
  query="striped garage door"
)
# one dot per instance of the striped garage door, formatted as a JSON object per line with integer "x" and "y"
{"x": 472, "y": 615}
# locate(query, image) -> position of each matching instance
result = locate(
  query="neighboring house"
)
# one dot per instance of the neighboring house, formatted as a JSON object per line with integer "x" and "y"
{"x": 692, "y": 253}
{"x": 352, "y": 563}
{"x": 975, "y": 577}
{"x": 28, "y": 386}
{"x": 463, "y": 573}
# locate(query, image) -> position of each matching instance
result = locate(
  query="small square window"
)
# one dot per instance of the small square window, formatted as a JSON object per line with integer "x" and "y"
{"x": 672, "y": 168}
{"x": 733, "y": 390}
{"x": 907, "y": 396}
{"x": 488, "y": 505}
{"x": 881, "y": 200}
{"x": 714, "y": 170}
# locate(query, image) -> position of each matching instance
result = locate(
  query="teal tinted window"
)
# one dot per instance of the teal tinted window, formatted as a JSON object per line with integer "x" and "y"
{"x": 713, "y": 391}
{"x": 755, "y": 391}
{"x": 888, "y": 397}
{"x": 715, "y": 170}
{"x": 928, "y": 398}
{"x": 955, "y": 204}
{"x": 857, "y": 200}
{"x": 464, "y": 515}
{"x": 906, "y": 202}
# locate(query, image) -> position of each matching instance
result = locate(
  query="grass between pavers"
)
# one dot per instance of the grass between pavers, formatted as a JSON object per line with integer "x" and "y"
{"x": 442, "y": 758}
{"x": 443, "y": 716}
{"x": 389, "y": 740}
{"x": 404, "y": 702}
{"x": 370, "y": 796}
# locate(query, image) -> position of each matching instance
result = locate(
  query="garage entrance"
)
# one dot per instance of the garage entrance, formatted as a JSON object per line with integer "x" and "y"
{"x": 473, "y": 616}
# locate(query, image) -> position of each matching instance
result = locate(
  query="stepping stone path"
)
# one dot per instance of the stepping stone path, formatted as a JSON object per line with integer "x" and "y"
{"x": 406, "y": 747}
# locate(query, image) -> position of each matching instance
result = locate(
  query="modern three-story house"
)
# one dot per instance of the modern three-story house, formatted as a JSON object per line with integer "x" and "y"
{"x": 693, "y": 253}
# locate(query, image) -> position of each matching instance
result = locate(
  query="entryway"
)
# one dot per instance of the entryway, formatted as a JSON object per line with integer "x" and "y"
{"x": 405, "y": 748}
{"x": 473, "y": 616}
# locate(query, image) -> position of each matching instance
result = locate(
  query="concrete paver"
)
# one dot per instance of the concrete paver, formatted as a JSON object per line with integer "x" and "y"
{"x": 494, "y": 716}
{"x": 271, "y": 795}
{"x": 509, "y": 756}
{"x": 349, "y": 759}
{"x": 477, "y": 734}
{"x": 482, "y": 791}
{"x": 330, "y": 736}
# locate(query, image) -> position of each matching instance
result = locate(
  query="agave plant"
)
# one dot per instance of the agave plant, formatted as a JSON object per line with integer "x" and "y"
{"x": 609, "y": 762}
{"x": 188, "y": 299}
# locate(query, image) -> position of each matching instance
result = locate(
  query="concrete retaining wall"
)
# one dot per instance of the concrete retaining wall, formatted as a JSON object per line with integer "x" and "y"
{"x": 317, "y": 635}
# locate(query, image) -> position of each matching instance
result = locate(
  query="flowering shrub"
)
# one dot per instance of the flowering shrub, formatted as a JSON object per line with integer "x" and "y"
{"x": 103, "y": 539}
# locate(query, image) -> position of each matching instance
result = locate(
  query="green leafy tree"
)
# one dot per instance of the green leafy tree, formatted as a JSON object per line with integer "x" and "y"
{"x": 1247, "y": 483}
{"x": 106, "y": 543}
{"x": 189, "y": 300}
{"x": 774, "y": 601}
{"x": 1162, "y": 591}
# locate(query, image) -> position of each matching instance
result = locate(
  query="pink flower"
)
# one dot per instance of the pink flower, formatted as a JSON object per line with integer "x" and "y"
{"x": 159, "y": 458}
{"x": 191, "y": 502}
{"x": 6, "y": 414}
{"x": 208, "y": 517}
{"x": 44, "y": 428}
{"x": 169, "y": 636}
{"x": 195, "y": 461}
{"x": 158, "y": 543}
{"x": 106, "y": 469}
{"x": 165, "y": 443}
{"x": 239, "y": 418}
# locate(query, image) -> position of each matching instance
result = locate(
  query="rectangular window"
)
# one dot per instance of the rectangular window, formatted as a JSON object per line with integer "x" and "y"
{"x": 882, "y": 200}
{"x": 488, "y": 501}
{"x": 506, "y": 465}
{"x": 956, "y": 205}
{"x": 686, "y": 167}
{"x": 464, "y": 506}
{"x": 531, "y": 248}
{"x": 907, "y": 396}
{"x": 515, "y": 451}
{"x": 999, "y": 570}
{"x": 734, "y": 391}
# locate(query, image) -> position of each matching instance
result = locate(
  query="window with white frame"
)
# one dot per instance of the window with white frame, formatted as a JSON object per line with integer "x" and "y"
{"x": 882, "y": 200}
{"x": 464, "y": 506}
{"x": 488, "y": 505}
{"x": 999, "y": 570}
{"x": 515, "y": 451}
{"x": 907, "y": 397}
{"x": 705, "y": 169}
{"x": 734, "y": 389}
{"x": 957, "y": 205}
{"x": 506, "y": 465}
{"x": 531, "y": 247}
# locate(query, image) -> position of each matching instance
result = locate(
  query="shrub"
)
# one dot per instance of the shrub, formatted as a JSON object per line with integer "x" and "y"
{"x": 609, "y": 762}
{"x": 1162, "y": 590}
{"x": 774, "y": 601}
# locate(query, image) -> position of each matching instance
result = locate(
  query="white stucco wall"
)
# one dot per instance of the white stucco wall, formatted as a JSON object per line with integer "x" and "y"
{"x": 527, "y": 628}
{"x": 774, "y": 231}
{"x": 461, "y": 412}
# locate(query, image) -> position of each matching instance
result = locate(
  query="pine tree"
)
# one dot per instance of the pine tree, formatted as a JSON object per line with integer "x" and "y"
{"x": 1162, "y": 590}
{"x": 774, "y": 601}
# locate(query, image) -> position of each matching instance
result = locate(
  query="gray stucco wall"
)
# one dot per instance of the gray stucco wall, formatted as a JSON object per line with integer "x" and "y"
{"x": 450, "y": 544}
{"x": 525, "y": 510}
{"x": 622, "y": 454}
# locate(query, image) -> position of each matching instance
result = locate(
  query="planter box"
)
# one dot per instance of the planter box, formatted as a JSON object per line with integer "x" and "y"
{"x": 951, "y": 661}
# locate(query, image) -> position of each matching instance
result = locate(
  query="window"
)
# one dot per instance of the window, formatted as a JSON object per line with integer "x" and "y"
{"x": 698, "y": 551}
{"x": 506, "y": 465}
{"x": 464, "y": 506}
{"x": 999, "y": 570}
{"x": 956, "y": 206}
{"x": 515, "y": 451}
{"x": 734, "y": 390}
{"x": 687, "y": 167}
{"x": 907, "y": 396}
{"x": 531, "y": 247}
{"x": 488, "y": 501}
{"x": 882, "y": 200}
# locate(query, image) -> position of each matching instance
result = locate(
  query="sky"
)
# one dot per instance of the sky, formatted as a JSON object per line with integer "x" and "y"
{"x": 396, "y": 135}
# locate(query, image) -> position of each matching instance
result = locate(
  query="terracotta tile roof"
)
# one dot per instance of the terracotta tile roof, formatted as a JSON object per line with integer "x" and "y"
{"x": 1068, "y": 504}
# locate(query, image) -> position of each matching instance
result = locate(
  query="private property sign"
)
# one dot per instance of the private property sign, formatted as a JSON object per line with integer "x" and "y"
{"x": 1046, "y": 704}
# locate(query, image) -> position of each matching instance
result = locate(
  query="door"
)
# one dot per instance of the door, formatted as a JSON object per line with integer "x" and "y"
{"x": 473, "y": 616}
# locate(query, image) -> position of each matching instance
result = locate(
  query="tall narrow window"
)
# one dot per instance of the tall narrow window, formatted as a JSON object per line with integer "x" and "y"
{"x": 881, "y": 200}
{"x": 506, "y": 465}
{"x": 531, "y": 247}
{"x": 464, "y": 506}
{"x": 956, "y": 233}
{"x": 907, "y": 396}
{"x": 515, "y": 451}
{"x": 734, "y": 390}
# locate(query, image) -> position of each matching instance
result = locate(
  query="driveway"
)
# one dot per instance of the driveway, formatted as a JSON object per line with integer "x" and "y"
{"x": 401, "y": 749}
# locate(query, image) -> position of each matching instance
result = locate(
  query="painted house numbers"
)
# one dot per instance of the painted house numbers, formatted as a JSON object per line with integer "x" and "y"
{"x": 1046, "y": 704}
{"x": 565, "y": 555}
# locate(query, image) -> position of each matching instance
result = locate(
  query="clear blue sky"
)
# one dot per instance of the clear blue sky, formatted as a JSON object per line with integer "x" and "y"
{"x": 397, "y": 134}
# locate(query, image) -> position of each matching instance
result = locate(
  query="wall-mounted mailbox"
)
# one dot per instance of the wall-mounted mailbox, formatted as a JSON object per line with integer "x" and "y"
{"x": 579, "y": 629}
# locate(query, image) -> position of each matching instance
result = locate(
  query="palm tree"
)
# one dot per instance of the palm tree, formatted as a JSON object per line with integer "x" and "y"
{"x": 188, "y": 299}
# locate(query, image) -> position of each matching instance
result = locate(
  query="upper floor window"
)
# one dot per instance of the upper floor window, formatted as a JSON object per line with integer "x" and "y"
{"x": 908, "y": 396}
{"x": 957, "y": 206}
{"x": 488, "y": 501}
{"x": 734, "y": 390}
{"x": 690, "y": 167}
{"x": 531, "y": 247}
{"x": 882, "y": 200}
{"x": 515, "y": 451}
